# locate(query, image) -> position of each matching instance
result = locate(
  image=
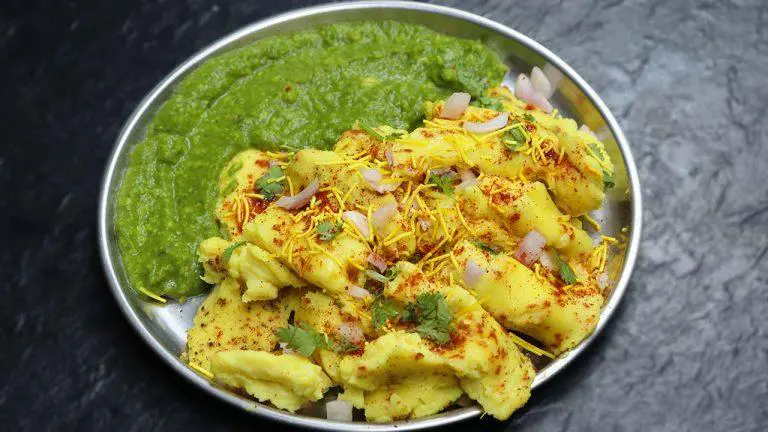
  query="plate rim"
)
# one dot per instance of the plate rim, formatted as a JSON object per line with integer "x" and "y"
{"x": 105, "y": 237}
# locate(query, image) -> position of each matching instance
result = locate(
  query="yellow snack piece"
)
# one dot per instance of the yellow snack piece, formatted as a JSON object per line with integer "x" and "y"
{"x": 287, "y": 381}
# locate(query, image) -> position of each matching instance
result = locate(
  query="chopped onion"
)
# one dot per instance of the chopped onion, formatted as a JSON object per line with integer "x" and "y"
{"x": 338, "y": 410}
{"x": 541, "y": 83}
{"x": 273, "y": 162}
{"x": 468, "y": 179}
{"x": 548, "y": 261}
{"x": 373, "y": 177}
{"x": 455, "y": 106}
{"x": 390, "y": 157}
{"x": 602, "y": 280}
{"x": 443, "y": 172}
{"x": 300, "y": 199}
{"x": 381, "y": 217}
{"x": 585, "y": 128}
{"x": 377, "y": 261}
{"x": 357, "y": 292}
{"x": 491, "y": 125}
{"x": 425, "y": 224}
{"x": 351, "y": 332}
{"x": 529, "y": 250}
{"x": 473, "y": 273}
{"x": 286, "y": 350}
{"x": 358, "y": 220}
{"x": 524, "y": 91}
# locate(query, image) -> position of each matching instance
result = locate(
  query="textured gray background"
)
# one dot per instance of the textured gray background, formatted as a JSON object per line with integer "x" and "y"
{"x": 687, "y": 350}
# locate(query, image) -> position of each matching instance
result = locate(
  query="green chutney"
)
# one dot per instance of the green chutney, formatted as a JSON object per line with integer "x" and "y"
{"x": 284, "y": 92}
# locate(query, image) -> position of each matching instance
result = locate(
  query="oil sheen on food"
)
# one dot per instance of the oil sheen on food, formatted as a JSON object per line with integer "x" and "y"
{"x": 292, "y": 91}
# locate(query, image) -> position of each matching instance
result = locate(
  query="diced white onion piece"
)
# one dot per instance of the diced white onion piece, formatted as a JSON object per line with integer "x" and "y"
{"x": 443, "y": 172}
{"x": 351, "y": 332}
{"x": 468, "y": 179}
{"x": 465, "y": 401}
{"x": 377, "y": 261}
{"x": 455, "y": 106}
{"x": 286, "y": 350}
{"x": 602, "y": 280}
{"x": 359, "y": 221}
{"x": 358, "y": 292}
{"x": 300, "y": 199}
{"x": 585, "y": 128}
{"x": 548, "y": 261}
{"x": 339, "y": 410}
{"x": 373, "y": 177}
{"x": 381, "y": 217}
{"x": 425, "y": 224}
{"x": 390, "y": 157}
{"x": 541, "y": 83}
{"x": 529, "y": 250}
{"x": 491, "y": 125}
{"x": 524, "y": 91}
{"x": 472, "y": 273}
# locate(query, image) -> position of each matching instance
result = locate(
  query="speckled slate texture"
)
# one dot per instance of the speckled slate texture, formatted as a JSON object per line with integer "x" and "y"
{"x": 687, "y": 350}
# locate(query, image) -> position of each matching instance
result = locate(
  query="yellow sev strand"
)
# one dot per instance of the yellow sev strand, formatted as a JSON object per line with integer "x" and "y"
{"x": 317, "y": 247}
{"x": 369, "y": 214}
{"x": 201, "y": 370}
{"x": 463, "y": 221}
{"x": 454, "y": 261}
{"x": 152, "y": 295}
{"x": 355, "y": 265}
{"x": 290, "y": 185}
{"x": 592, "y": 222}
{"x": 530, "y": 347}
{"x": 397, "y": 238}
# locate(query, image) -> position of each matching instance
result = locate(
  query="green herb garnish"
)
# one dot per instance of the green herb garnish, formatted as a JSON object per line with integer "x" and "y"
{"x": 433, "y": 316}
{"x": 327, "y": 230}
{"x": 382, "y": 310}
{"x": 369, "y": 130}
{"x": 227, "y": 254}
{"x": 376, "y": 276}
{"x": 443, "y": 182}
{"x": 344, "y": 345}
{"x": 608, "y": 180}
{"x": 303, "y": 339}
{"x": 391, "y": 273}
{"x": 268, "y": 185}
{"x": 596, "y": 150}
{"x": 393, "y": 136}
{"x": 515, "y": 139}
{"x": 493, "y": 250}
{"x": 529, "y": 117}
{"x": 490, "y": 102}
{"x": 566, "y": 272}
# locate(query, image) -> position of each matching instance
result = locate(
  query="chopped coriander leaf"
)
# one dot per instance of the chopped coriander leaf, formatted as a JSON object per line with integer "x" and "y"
{"x": 444, "y": 183}
{"x": 608, "y": 180}
{"x": 369, "y": 130}
{"x": 596, "y": 150}
{"x": 227, "y": 254}
{"x": 344, "y": 345}
{"x": 494, "y": 103}
{"x": 493, "y": 250}
{"x": 382, "y": 310}
{"x": 327, "y": 230}
{"x": 515, "y": 139}
{"x": 410, "y": 313}
{"x": 391, "y": 273}
{"x": 529, "y": 117}
{"x": 267, "y": 184}
{"x": 434, "y": 317}
{"x": 566, "y": 272}
{"x": 303, "y": 339}
{"x": 394, "y": 135}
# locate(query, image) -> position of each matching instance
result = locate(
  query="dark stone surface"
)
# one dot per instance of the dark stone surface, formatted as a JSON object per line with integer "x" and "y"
{"x": 687, "y": 350}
